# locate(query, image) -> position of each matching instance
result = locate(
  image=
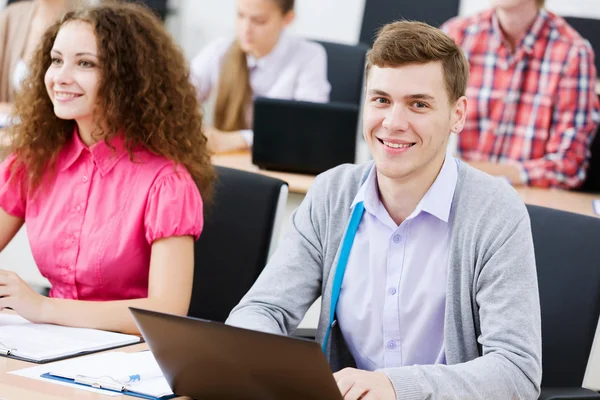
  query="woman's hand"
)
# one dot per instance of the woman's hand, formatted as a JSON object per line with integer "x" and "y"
{"x": 6, "y": 108}
{"x": 19, "y": 296}
{"x": 222, "y": 142}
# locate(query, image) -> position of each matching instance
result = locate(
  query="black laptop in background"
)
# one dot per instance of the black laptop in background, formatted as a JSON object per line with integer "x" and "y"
{"x": 211, "y": 361}
{"x": 303, "y": 137}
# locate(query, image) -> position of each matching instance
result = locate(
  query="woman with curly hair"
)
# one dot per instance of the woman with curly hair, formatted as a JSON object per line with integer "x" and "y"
{"x": 106, "y": 169}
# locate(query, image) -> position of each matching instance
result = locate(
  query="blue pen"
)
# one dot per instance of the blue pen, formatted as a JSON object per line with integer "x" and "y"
{"x": 138, "y": 377}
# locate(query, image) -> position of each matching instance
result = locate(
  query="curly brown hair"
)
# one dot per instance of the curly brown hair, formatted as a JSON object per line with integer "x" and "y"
{"x": 144, "y": 91}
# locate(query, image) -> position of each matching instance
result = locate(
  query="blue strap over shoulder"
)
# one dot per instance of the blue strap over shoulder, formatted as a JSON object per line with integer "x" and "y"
{"x": 340, "y": 270}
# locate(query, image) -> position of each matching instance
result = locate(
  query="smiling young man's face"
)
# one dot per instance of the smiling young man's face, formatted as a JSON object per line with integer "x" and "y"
{"x": 407, "y": 119}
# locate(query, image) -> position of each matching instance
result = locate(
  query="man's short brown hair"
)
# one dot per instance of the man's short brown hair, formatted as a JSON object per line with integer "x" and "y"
{"x": 540, "y": 3}
{"x": 408, "y": 42}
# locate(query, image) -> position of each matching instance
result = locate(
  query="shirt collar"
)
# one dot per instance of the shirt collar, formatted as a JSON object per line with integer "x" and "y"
{"x": 275, "y": 53}
{"x": 104, "y": 156}
{"x": 437, "y": 201}
{"x": 530, "y": 37}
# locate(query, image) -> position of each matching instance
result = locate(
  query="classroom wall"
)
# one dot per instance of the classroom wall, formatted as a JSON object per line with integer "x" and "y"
{"x": 197, "y": 22}
{"x": 200, "y": 21}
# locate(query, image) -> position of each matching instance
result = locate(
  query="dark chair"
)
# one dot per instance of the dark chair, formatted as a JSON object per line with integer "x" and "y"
{"x": 159, "y": 7}
{"x": 589, "y": 29}
{"x": 380, "y": 12}
{"x": 567, "y": 257}
{"x": 592, "y": 179}
{"x": 345, "y": 71}
{"x": 237, "y": 236}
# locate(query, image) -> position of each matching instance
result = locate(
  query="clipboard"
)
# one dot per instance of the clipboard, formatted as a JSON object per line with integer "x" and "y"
{"x": 8, "y": 353}
{"x": 129, "y": 373}
{"x": 41, "y": 343}
{"x": 123, "y": 389}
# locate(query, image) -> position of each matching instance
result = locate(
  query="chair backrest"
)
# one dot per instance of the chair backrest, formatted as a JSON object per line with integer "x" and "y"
{"x": 159, "y": 7}
{"x": 345, "y": 71}
{"x": 568, "y": 267}
{"x": 380, "y": 12}
{"x": 238, "y": 232}
{"x": 590, "y": 30}
{"x": 592, "y": 179}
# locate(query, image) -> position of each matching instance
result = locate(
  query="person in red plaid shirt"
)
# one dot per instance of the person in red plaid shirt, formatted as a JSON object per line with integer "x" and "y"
{"x": 532, "y": 108}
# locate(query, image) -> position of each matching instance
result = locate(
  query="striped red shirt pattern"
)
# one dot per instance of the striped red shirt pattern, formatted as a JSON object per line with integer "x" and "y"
{"x": 535, "y": 107}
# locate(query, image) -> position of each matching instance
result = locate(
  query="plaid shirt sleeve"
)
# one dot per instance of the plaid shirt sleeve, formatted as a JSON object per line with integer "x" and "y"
{"x": 574, "y": 121}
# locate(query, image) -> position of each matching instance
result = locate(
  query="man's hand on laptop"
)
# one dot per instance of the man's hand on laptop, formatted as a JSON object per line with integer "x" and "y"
{"x": 357, "y": 384}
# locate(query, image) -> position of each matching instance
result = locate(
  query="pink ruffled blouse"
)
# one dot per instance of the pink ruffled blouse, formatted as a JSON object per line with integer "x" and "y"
{"x": 91, "y": 229}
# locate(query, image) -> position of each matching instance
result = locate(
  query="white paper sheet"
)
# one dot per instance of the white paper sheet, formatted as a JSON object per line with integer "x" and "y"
{"x": 38, "y": 371}
{"x": 116, "y": 365}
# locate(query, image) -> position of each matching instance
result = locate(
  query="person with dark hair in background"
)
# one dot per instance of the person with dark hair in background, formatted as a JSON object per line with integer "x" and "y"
{"x": 533, "y": 107}
{"x": 263, "y": 61}
{"x": 106, "y": 168}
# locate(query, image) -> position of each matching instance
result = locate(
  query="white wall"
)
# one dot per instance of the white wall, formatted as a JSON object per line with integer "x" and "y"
{"x": 200, "y": 21}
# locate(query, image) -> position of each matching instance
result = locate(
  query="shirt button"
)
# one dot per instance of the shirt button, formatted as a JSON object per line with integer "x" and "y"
{"x": 78, "y": 208}
{"x": 396, "y": 238}
{"x": 84, "y": 179}
{"x": 391, "y": 344}
{"x": 392, "y": 291}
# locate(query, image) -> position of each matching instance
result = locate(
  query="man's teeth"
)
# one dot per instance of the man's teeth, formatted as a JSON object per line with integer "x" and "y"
{"x": 397, "y": 145}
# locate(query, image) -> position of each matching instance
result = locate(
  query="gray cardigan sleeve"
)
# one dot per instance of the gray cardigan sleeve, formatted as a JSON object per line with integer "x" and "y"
{"x": 506, "y": 295}
{"x": 290, "y": 282}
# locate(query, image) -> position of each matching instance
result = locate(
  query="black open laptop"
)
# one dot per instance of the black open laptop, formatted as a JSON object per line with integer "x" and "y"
{"x": 303, "y": 137}
{"x": 210, "y": 360}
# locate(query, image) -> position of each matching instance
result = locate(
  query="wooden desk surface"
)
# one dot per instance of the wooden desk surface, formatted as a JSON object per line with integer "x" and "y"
{"x": 298, "y": 183}
{"x": 553, "y": 198}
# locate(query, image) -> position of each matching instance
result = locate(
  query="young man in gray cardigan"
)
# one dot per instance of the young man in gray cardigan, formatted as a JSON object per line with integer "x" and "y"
{"x": 425, "y": 265}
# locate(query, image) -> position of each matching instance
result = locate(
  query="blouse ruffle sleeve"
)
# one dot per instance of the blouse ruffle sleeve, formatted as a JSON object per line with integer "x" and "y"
{"x": 174, "y": 208}
{"x": 13, "y": 194}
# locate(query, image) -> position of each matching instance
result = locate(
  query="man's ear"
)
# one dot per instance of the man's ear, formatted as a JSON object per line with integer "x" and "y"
{"x": 459, "y": 114}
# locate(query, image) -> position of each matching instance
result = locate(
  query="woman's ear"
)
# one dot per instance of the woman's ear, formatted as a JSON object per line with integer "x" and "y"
{"x": 289, "y": 17}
